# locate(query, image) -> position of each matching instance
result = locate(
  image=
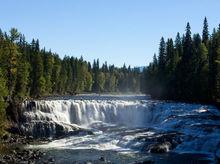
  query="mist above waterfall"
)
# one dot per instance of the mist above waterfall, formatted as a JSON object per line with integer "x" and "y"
{"x": 84, "y": 112}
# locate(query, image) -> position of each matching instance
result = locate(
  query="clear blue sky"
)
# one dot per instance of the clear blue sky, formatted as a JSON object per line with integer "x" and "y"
{"x": 116, "y": 31}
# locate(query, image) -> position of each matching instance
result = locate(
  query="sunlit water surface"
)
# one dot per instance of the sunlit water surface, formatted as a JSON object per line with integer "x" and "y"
{"x": 125, "y": 128}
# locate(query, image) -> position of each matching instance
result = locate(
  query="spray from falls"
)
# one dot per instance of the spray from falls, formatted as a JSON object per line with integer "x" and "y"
{"x": 146, "y": 125}
{"x": 47, "y": 115}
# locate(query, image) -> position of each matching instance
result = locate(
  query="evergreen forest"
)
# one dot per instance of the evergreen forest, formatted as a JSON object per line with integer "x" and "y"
{"x": 185, "y": 69}
{"x": 28, "y": 71}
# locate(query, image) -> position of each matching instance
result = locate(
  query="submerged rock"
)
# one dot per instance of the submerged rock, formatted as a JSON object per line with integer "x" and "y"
{"x": 217, "y": 155}
{"x": 160, "y": 148}
{"x": 102, "y": 159}
{"x": 42, "y": 129}
{"x": 162, "y": 142}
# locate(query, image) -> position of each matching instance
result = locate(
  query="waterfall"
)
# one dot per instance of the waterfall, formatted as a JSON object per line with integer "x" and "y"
{"x": 50, "y": 117}
{"x": 122, "y": 123}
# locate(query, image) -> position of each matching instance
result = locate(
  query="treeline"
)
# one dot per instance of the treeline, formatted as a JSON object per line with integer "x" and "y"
{"x": 27, "y": 71}
{"x": 188, "y": 68}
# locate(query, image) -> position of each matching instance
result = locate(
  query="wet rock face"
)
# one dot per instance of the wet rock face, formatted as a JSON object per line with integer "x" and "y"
{"x": 38, "y": 121}
{"x": 160, "y": 147}
{"x": 54, "y": 118}
{"x": 41, "y": 129}
{"x": 162, "y": 143}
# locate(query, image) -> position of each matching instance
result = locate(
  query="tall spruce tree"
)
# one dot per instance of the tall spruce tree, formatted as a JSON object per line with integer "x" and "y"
{"x": 162, "y": 55}
{"x": 205, "y": 33}
{"x": 39, "y": 80}
{"x": 161, "y": 66}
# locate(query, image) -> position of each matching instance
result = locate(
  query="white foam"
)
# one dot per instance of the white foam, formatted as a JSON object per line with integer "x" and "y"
{"x": 116, "y": 123}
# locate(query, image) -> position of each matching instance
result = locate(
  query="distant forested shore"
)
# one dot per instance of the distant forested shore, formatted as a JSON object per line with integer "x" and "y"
{"x": 28, "y": 71}
{"x": 188, "y": 68}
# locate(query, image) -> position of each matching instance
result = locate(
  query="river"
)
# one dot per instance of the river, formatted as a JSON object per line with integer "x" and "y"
{"x": 123, "y": 129}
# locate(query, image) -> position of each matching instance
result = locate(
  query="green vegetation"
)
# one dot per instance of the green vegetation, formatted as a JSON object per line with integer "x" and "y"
{"x": 3, "y": 94}
{"x": 27, "y": 71}
{"x": 188, "y": 69}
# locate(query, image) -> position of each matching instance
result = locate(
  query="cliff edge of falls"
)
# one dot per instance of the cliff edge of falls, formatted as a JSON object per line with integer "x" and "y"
{"x": 56, "y": 118}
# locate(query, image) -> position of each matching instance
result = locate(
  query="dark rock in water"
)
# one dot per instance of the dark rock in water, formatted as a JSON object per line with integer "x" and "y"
{"x": 102, "y": 159}
{"x": 14, "y": 130}
{"x": 31, "y": 105}
{"x": 162, "y": 142}
{"x": 46, "y": 129}
{"x": 7, "y": 157}
{"x": 60, "y": 130}
{"x": 51, "y": 160}
{"x": 217, "y": 156}
{"x": 30, "y": 137}
{"x": 160, "y": 148}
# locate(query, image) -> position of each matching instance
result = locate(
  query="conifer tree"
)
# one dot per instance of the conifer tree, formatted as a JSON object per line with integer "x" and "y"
{"x": 205, "y": 32}
{"x": 162, "y": 55}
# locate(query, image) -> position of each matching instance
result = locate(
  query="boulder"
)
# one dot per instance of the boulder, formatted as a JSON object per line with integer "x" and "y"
{"x": 160, "y": 147}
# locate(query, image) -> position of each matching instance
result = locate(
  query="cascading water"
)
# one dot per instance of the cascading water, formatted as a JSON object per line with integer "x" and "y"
{"x": 124, "y": 124}
{"x": 69, "y": 113}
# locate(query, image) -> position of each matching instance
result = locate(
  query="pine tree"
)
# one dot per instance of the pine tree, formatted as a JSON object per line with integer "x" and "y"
{"x": 101, "y": 82}
{"x": 161, "y": 67}
{"x": 48, "y": 60}
{"x": 95, "y": 87}
{"x": 22, "y": 81}
{"x": 186, "y": 67}
{"x": 55, "y": 78}
{"x": 88, "y": 81}
{"x": 162, "y": 55}
{"x": 170, "y": 61}
{"x": 39, "y": 81}
{"x": 205, "y": 32}
{"x": 9, "y": 64}
{"x": 155, "y": 62}
{"x": 178, "y": 45}
{"x": 216, "y": 65}
{"x": 202, "y": 74}
{"x": 14, "y": 34}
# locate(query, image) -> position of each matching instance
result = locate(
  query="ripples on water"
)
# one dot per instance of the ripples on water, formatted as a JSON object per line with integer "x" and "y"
{"x": 128, "y": 128}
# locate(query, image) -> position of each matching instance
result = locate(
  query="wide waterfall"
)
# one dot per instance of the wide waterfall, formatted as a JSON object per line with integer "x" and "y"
{"x": 44, "y": 115}
{"x": 119, "y": 124}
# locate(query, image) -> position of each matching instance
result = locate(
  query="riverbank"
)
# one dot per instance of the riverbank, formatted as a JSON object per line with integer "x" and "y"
{"x": 114, "y": 129}
{"x": 12, "y": 150}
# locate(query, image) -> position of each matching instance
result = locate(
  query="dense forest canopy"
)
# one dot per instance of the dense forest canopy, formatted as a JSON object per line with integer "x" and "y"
{"x": 32, "y": 71}
{"x": 188, "y": 68}
{"x": 26, "y": 71}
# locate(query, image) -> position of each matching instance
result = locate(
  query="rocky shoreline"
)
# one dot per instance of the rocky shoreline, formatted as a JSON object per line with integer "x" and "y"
{"x": 12, "y": 150}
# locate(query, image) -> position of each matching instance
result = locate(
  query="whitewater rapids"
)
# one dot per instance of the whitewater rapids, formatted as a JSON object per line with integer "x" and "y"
{"x": 124, "y": 124}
